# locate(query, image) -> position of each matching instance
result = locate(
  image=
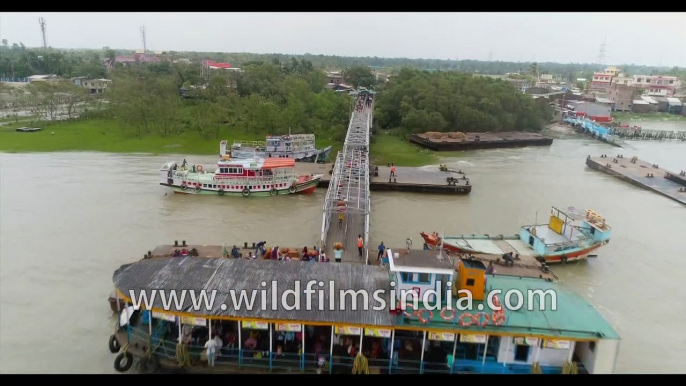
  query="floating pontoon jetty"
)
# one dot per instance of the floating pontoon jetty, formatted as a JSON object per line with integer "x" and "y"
{"x": 472, "y": 141}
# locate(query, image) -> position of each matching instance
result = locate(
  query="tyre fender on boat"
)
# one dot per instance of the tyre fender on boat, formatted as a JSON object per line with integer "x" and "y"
{"x": 197, "y": 189}
{"x": 245, "y": 192}
{"x": 273, "y": 192}
{"x": 220, "y": 192}
{"x": 292, "y": 189}
{"x": 114, "y": 344}
{"x": 563, "y": 258}
{"x": 183, "y": 186}
{"x": 123, "y": 367}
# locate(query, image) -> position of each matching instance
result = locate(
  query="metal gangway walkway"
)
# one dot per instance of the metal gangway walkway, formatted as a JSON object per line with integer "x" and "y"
{"x": 632, "y": 133}
{"x": 347, "y": 204}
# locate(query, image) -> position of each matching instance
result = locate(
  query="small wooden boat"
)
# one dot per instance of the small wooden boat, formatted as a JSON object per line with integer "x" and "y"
{"x": 568, "y": 236}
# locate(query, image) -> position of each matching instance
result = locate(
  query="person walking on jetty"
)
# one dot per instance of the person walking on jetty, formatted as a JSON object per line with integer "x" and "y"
{"x": 338, "y": 252}
{"x": 392, "y": 170}
{"x": 360, "y": 244}
{"x": 382, "y": 249}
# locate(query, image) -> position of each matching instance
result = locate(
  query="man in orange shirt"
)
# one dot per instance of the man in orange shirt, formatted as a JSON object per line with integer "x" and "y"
{"x": 360, "y": 244}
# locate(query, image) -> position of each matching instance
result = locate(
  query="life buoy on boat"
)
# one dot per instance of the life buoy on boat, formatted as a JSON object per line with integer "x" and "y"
{"x": 114, "y": 345}
{"x": 292, "y": 189}
{"x": 463, "y": 320}
{"x": 245, "y": 192}
{"x": 477, "y": 319}
{"x": 445, "y": 317}
{"x": 498, "y": 318}
{"x": 407, "y": 313}
{"x": 422, "y": 319}
{"x": 220, "y": 192}
{"x": 199, "y": 168}
{"x": 123, "y": 367}
{"x": 273, "y": 192}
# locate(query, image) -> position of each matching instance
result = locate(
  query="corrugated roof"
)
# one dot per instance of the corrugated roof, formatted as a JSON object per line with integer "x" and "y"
{"x": 640, "y": 102}
{"x": 229, "y": 276}
{"x": 648, "y": 99}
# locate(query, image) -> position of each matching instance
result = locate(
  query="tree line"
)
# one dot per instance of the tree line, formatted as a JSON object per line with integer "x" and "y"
{"x": 418, "y": 101}
{"x": 18, "y": 61}
{"x": 267, "y": 97}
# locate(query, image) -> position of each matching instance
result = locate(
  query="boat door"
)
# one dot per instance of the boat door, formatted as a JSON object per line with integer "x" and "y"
{"x": 531, "y": 240}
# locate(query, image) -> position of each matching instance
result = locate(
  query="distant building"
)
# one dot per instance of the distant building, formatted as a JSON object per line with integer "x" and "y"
{"x": 622, "y": 97}
{"x": 94, "y": 86}
{"x": 603, "y": 80}
{"x": 334, "y": 77}
{"x": 662, "y": 104}
{"x": 674, "y": 106}
{"x": 595, "y": 111}
{"x": 138, "y": 57}
{"x": 641, "y": 106}
{"x": 657, "y": 85}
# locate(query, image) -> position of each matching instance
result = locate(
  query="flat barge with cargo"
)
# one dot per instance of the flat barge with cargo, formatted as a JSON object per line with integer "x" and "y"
{"x": 437, "y": 141}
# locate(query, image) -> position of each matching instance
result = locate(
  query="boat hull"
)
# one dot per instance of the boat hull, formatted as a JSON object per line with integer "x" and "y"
{"x": 300, "y": 187}
{"x": 569, "y": 256}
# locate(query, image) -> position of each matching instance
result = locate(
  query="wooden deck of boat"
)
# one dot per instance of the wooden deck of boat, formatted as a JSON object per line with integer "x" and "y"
{"x": 353, "y": 225}
{"x": 407, "y": 179}
{"x": 664, "y": 182}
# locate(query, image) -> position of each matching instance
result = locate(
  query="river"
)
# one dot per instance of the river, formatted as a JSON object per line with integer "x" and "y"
{"x": 68, "y": 220}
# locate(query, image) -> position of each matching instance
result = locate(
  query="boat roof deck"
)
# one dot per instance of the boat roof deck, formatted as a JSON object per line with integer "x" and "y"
{"x": 417, "y": 258}
{"x": 495, "y": 246}
{"x": 228, "y": 276}
{"x": 573, "y": 318}
{"x": 524, "y": 267}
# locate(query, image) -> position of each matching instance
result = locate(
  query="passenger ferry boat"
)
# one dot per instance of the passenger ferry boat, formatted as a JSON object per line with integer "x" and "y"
{"x": 239, "y": 177}
{"x": 568, "y": 236}
{"x": 382, "y": 334}
{"x": 300, "y": 147}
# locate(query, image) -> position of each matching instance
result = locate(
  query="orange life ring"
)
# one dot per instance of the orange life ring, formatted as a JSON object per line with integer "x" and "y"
{"x": 199, "y": 168}
{"x": 464, "y": 322}
{"x": 408, "y": 314}
{"x": 451, "y": 317}
{"x": 496, "y": 301}
{"x": 477, "y": 319}
{"x": 499, "y": 318}
{"x": 422, "y": 319}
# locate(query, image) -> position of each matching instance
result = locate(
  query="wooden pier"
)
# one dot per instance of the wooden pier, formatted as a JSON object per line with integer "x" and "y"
{"x": 642, "y": 174}
{"x": 474, "y": 141}
{"x": 407, "y": 179}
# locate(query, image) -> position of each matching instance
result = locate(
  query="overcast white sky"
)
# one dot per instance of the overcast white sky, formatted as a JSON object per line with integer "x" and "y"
{"x": 641, "y": 38}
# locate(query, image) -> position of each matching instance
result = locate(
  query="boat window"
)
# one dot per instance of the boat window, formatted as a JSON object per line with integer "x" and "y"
{"x": 470, "y": 282}
{"x": 521, "y": 353}
{"x": 415, "y": 278}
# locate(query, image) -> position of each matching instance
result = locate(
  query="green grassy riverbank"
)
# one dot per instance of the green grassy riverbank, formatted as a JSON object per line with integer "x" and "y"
{"x": 107, "y": 135}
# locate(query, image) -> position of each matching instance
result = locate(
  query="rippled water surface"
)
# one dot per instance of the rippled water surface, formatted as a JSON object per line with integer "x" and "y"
{"x": 68, "y": 220}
